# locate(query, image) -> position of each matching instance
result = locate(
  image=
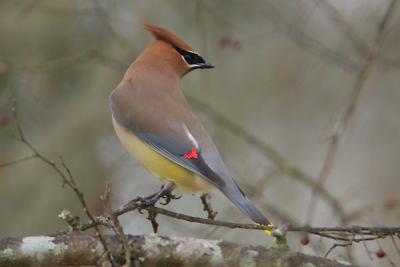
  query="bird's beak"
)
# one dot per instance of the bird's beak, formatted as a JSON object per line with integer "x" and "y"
{"x": 206, "y": 65}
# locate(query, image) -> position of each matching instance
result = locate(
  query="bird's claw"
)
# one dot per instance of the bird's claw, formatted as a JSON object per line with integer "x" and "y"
{"x": 163, "y": 193}
{"x": 168, "y": 197}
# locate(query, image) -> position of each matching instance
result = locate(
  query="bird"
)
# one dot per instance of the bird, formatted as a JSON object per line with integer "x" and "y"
{"x": 158, "y": 128}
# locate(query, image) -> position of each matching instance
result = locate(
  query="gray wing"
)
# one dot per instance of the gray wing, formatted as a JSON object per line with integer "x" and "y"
{"x": 175, "y": 150}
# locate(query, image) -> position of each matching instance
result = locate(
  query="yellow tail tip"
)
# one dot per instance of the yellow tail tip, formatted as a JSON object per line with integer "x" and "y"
{"x": 268, "y": 232}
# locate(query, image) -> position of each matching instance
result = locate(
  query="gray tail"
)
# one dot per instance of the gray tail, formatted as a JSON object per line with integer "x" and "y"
{"x": 232, "y": 191}
{"x": 243, "y": 203}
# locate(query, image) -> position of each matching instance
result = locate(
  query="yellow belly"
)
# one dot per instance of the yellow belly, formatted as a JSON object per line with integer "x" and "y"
{"x": 159, "y": 165}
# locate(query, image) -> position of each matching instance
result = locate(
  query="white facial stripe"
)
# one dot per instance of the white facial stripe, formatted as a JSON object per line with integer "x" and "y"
{"x": 195, "y": 65}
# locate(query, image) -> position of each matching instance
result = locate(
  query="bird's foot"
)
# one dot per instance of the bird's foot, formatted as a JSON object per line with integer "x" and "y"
{"x": 164, "y": 192}
{"x": 168, "y": 197}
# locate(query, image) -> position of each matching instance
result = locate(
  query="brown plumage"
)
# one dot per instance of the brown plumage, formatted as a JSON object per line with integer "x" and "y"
{"x": 155, "y": 123}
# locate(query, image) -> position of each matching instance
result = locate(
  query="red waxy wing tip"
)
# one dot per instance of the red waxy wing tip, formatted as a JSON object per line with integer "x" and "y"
{"x": 194, "y": 154}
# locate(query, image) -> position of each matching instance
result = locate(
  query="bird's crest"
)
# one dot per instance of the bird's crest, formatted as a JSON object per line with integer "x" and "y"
{"x": 167, "y": 36}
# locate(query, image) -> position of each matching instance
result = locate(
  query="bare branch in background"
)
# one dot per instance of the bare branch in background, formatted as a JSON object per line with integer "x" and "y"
{"x": 347, "y": 29}
{"x": 306, "y": 41}
{"x": 343, "y": 121}
{"x": 16, "y": 161}
{"x": 96, "y": 9}
{"x": 120, "y": 39}
{"x": 369, "y": 253}
{"x": 395, "y": 244}
{"x": 68, "y": 60}
{"x": 40, "y": 6}
{"x": 335, "y": 245}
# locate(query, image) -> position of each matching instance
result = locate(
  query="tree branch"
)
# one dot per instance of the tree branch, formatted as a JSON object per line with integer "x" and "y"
{"x": 149, "y": 250}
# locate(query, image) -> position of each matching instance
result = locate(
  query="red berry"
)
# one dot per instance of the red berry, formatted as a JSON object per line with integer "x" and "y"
{"x": 229, "y": 40}
{"x": 305, "y": 241}
{"x": 391, "y": 201}
{"x": 380, "y": 253}
{"x": 4, "y": 119}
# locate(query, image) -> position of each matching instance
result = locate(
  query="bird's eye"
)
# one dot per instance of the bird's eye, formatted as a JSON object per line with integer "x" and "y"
{"x": 187, "y": 57}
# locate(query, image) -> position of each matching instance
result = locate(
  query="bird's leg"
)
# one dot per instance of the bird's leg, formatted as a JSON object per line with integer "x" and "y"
{"x": 165, "y": 192}
{"x": 206, "y": 201}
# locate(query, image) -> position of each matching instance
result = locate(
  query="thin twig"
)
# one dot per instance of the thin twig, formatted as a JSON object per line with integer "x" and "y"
{"x": 116, "y": 226}
{"x": 335, "y": 246}
{"x": 16, "y": 161}
{"x": 369, "y": 253}
{"x": 151, "y": 216}
{"x": 67, "y": 179}
{"x": 207, "y": 207}
{"x": 395, "y": 245}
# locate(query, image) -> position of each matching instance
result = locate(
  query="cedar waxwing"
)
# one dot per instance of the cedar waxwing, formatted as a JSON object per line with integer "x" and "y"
{"x": 156, "y": 125}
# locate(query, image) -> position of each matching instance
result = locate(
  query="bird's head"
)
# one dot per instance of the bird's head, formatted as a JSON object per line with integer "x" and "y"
{"x": 175, "y": 49}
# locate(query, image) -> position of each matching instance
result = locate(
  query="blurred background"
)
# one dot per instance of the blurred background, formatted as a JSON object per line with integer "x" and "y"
{"x": 285, "y": 72}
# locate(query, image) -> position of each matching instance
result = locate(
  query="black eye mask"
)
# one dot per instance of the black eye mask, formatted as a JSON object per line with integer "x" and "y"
{"x": 190, "y": 58}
